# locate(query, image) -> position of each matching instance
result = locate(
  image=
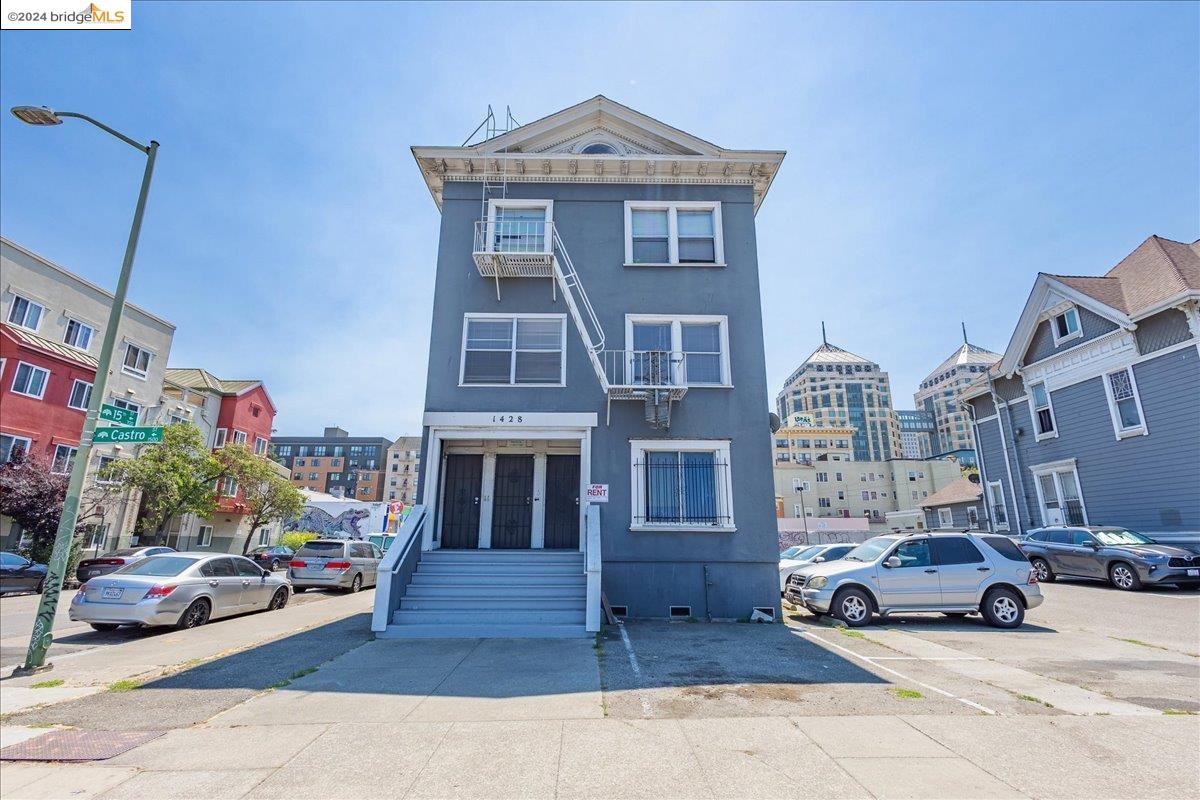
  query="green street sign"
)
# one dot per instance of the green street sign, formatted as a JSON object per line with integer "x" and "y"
{"x": 121, "y": 416}
{"x": 127, "y": 435}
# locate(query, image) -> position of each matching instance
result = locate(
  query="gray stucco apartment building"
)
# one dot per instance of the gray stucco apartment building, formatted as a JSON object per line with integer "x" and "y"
{"x": 1092, "y": 416}
{"x": 596, "y": 320}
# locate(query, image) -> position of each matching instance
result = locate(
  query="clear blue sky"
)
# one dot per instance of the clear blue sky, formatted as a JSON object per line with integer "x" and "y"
{"x": 938, "y": 157}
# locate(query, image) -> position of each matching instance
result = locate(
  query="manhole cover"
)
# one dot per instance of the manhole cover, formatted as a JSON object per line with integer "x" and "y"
{"x": 77, "y": 745}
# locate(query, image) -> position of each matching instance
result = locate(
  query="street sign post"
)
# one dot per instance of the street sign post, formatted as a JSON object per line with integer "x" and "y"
{"x": 121, "y": 416}
{"x": 141, "y": 435}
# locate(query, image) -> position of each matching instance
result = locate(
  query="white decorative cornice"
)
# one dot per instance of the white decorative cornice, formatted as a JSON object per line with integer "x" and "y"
{"x": 1085, "y": 361}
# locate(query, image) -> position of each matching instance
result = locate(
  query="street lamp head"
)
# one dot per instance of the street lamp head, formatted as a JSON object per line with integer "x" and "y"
{"x": 36, "y": 115}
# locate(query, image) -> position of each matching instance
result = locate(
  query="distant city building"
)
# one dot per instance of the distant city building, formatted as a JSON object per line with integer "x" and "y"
{"x": 335, "y": 463}
{"x": 806, "y": 445}
{"x": 836, "y": 388}
{"x": 940, "y": 394}
{"x": 51, "y": 330}
{"x": 869, "y": 489}
{"x": 917, "y": 432}
{"x": 403, "y": 470}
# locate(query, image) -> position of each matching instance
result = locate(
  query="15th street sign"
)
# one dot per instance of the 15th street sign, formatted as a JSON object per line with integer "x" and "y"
{"x": 121, "y": 416}
{"x": 128, "y": 435}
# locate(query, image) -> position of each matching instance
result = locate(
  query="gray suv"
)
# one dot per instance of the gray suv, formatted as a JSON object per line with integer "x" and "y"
{"x": 955, "y": 574}
{"x": 334, "y": 564}
{"x": 1126, "y": 559}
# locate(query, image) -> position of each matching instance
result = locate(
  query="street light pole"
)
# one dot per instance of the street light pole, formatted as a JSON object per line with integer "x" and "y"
{"x": 43, "y": 626}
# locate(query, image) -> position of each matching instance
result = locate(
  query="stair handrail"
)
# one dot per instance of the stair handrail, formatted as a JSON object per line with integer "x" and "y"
{"x": 591, "y": 567}
{"x": 569, "y": 275}
{"x": 397, "y": 567}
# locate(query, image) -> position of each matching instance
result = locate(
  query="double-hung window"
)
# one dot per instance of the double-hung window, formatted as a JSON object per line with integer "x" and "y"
{"x": 204, "y": 536}
{"x": 673, "y": 233}
{"x": 136, "y": 361}
{"x": 260, "y": 446}
{"x": 81, "y": 395}
{"x": 995, "y": 497}
{"x": 681, "y": 484}
{"x": 64, "y": 459}
{"x": 519, "y": 350}
{"x": 1124, "y": 403}
{"x": 686, "y": 350}
{"x": 1066, "y": 326}
{"x": 25, "y": 312}
{"x": 222, "y": 436}
{"x": 30, "y": 380}
{"x": 13, "y": 447}
{"x": 78, "y": 335}
{"x": 1043, "y": 412}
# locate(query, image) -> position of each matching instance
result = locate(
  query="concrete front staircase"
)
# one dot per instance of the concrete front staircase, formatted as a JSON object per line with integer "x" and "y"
{"x": 493, "y": 593}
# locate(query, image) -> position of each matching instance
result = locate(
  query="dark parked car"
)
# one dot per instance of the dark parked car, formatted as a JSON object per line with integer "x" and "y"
{"x": 271, "y": 558}
{"x": 115, "y": 559}
{"x": 19, "y": 574}
{"x": 1126, "y": 559}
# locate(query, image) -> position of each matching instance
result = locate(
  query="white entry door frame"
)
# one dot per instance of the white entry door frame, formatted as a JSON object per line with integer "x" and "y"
{"x": 447, "y": 427}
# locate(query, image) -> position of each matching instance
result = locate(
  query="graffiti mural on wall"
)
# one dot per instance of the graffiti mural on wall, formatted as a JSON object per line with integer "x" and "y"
{"x": 347, "y": 524}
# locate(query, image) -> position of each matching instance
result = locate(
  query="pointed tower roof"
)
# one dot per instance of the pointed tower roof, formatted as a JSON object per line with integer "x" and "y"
{"x": 966, "y": 353}
{"x": 832, "y": 354}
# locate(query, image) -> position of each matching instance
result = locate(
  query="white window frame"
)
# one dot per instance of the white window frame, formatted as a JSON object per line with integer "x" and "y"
{"x": 223, "y": 486}
{"x": 25, "y": 440}
{"x": 74, "y": 451}
{"x": 97, "y": 530}
{"x": 264, "y": 536}
{"x": 637, "y": 491}
{"x": 67, "y": 333}
{"x": 945, "y": 517}
{"x": 101, "y": 462}
{"x": 239, "y": 437}
{"x": 512, "y": 364}
{"x": 87, "y": 396}
{"x": 16, "y": 372}
{"x": 548, "y": 233}
{"x": 204, "y": 536}
{"x": 1055, "y": 468}
{"x": 134, "y": 371}
{"x": 1058, "y": 340}
{"x": 973, "y": 517}
{"x": 1123, "y": 433}
{"x": 30, "y": 302}
{"x": 1038, "y": 435}
{"x": 221, "y": 437}
{"x": 673, "y": 207}
{"x": 677, "y": 321}
{"x": 260, "y": 446}
{"x": 994, "y": 499}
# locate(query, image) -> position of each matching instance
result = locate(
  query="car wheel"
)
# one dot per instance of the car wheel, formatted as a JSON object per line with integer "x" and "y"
{"x": 1041, "y": 568}
{"x": 274, "y": 564}
{"x": 41, "y": 587}
{"x": 1002, "y": 608}
{"x": 853, "y": 607}
{"x": 279, "y": 600}
{"x": 104, "y": 626}
{"x": 196, "y": 615}
{"x": 355, "y": 584}
{"x": 1124, "y": 577}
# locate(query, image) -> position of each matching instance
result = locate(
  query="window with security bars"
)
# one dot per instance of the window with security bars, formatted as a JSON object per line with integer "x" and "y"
{"x": 1126, "y": 414}
{"x": 514, "y": 351}
{"x": 682, "y": 488}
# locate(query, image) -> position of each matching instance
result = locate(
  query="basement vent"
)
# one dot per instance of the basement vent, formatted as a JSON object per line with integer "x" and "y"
{"x": 681, "y": 612}
{"x": 766, "y": 611}
{"x": 620, "y": 611}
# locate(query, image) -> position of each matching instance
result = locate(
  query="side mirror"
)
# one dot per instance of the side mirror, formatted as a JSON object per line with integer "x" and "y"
{"x": 819, "y": 560}
{"x": 892, "y": 562}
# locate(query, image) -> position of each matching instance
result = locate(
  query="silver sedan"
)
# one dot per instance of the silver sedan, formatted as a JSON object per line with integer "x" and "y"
{"x": 181, "y": 589}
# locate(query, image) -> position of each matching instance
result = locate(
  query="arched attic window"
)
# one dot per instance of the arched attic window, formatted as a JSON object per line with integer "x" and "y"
{"x": 599, "y": 149}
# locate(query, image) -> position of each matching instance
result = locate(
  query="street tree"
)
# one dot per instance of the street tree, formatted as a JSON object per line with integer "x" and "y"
{"x": 32, "y": 496}
{"x": 265, "y": 495}
{"x": 177, "y": 476}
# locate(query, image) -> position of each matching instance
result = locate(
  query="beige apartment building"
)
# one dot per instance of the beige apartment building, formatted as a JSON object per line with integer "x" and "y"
{"x": 403, "y": 470}
{"x": 940, "y": 392}
{"x": 870, "y": 489}
{"x": 804, "y": 445}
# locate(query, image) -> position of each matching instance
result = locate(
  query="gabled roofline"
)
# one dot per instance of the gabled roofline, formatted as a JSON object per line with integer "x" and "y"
{"x": 1031, "y": 315}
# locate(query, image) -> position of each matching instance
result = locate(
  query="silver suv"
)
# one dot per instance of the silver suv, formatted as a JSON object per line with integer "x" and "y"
{"x": 955, "y": 574}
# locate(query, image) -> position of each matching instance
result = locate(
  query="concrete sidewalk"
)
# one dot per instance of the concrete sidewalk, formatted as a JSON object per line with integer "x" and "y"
{"x": 92, "y": 670}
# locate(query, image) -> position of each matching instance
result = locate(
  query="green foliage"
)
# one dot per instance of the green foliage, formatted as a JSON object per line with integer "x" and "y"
{"x": 296, "y": 539}
{"x": 33, "y": 497}
{"x": 265, "y": 494}
{"x": 127, "y": 685}
{"x": 175, "y": 477}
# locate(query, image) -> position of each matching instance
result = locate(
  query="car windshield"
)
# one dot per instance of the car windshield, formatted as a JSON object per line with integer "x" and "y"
{"x": 870, "y": 549}
{"x": 321, "y": 549}
{"x": 1121, "y": 536}
{"x": 806, "y": 553}
{"x": 126, "y": 552}
{"x": 158, "y": 566}
{"x": 791, "y": 551}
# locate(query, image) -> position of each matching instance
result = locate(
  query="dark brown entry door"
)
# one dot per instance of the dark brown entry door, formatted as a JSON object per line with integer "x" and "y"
{"x": 562, "y": 502}
{"x": 460, "y": 501}
{"x": 512, "y": 503}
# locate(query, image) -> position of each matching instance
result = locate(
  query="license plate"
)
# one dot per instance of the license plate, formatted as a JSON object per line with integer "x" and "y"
{"x": 1194, "y": 573}
{"x": 112, "y": 593}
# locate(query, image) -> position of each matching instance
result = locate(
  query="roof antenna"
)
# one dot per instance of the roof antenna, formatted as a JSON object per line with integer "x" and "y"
{"x": 824, "y": 341}
{"x": 964, "y": 327}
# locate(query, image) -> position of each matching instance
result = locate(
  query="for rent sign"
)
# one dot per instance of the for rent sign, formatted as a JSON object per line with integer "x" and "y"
{"x": 597, "y": 493}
